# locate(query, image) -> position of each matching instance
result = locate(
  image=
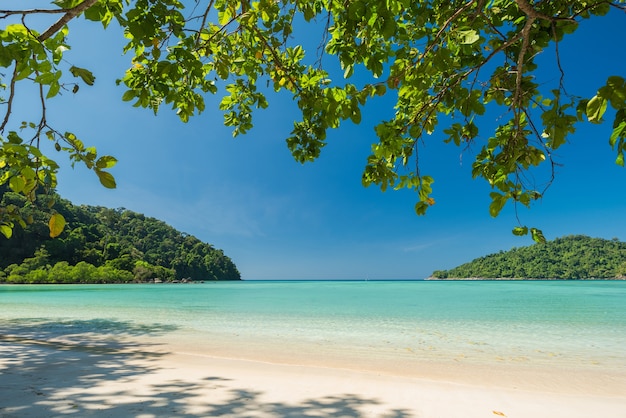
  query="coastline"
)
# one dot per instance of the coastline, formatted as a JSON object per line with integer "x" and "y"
{"x": 100, "y": 376}
{"x": 522, "y": 279}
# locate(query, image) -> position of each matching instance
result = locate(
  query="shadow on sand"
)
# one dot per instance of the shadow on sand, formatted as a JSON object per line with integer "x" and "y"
{"x": 95, "y": 368}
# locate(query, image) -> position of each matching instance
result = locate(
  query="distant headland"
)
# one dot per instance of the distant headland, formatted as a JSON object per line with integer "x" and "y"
{"x": 102, "y": 245}
{"x": 574, "y": 257}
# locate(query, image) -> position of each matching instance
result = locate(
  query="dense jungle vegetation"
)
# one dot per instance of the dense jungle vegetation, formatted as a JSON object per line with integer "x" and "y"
{"x": 571, "y": 257}
{"x": 101, "y": 245}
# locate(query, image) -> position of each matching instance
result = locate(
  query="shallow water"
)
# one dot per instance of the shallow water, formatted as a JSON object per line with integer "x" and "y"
{"x": 573, "y": 325}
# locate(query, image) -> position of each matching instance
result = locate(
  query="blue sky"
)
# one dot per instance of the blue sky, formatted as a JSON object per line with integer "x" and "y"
{"x": 278, "y": 219}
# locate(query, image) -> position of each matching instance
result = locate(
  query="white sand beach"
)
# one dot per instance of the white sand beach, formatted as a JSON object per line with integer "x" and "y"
{"x": 134, "y": 378}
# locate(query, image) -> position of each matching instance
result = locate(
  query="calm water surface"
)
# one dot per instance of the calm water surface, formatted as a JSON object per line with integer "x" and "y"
{"x": 571, "y": 324}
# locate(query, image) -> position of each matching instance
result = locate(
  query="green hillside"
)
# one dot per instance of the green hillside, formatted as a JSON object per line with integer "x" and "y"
{"x": 102, "y": 245}
{"x": 571, "y": 257}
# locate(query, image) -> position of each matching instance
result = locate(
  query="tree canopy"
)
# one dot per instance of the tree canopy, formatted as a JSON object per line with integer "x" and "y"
{"x": 105, "y": 245}
{"x": 572, "y": 257}
{"x": 439, "y": 61}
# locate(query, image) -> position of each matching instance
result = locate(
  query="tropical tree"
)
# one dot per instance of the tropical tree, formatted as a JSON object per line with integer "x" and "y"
{"x": 438, "y": 61}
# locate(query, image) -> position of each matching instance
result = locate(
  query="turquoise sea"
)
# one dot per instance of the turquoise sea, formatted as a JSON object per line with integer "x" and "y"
{"x": 573, "y": 324}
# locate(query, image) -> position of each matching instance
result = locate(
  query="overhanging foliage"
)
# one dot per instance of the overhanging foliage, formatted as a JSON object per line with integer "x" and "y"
{"x": 437, "y": 59}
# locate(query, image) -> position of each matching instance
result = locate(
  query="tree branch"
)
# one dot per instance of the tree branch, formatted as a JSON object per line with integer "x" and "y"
{"x": 531, "y": 12}
{"x": 43, "y": 121}
{"x": 203, "y": 22}
{"x": 520, "y": 58}
{"x": 592, "y": 6}
{"x": 445, "y": 26}
{"x": 435, "y": 99}
{"x": 558, "y": 59}
{"x": 277, "y": 60}
{"x": 7, "y": 115}
{"x": 69, "y": 15}
{"x": 6, "y": 13}
{"x": 321, "y": 48}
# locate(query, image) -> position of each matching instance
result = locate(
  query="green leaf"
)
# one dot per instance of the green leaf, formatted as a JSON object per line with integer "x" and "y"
{"x": 225, "y": 16}
{"x": 17, "y": 183}
{"x": 497, "y": 203}
{"x": 129, "y": 95}
{"x": 106, "y": 179}
{"x": 620, "y": 159}
{"x": 106, "y": 161}
{"x": 356, "y": 116}
{"x": 596, "y": 108}
{"x": 520, "y": 231}
{"x": 56, "y": 225}
{"x": 45, "y": 78}
{"x": 17, "y": 30}
{"x": 537, "y": 235}
{"x": 618, "y": 132}
{"x": 468, "y": 36}
{"x": 55, "y": 87}
{"x": 67, "y": 4}
{"x": 581, "y": 108}
{"x": 6, "y": 230}
{"x": 86, "y": 75}
{"x": 348, "y": 71}
{"x": 601, "y": 9}
{"x": 420, "y": 208}
{"x": 389, "y": 27}
{"x": 356, "y": 10}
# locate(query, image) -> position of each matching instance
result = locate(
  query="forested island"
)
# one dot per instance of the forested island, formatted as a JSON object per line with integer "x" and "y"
{"x": 573, "y": 257}
{"x": 102, "y": 245}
